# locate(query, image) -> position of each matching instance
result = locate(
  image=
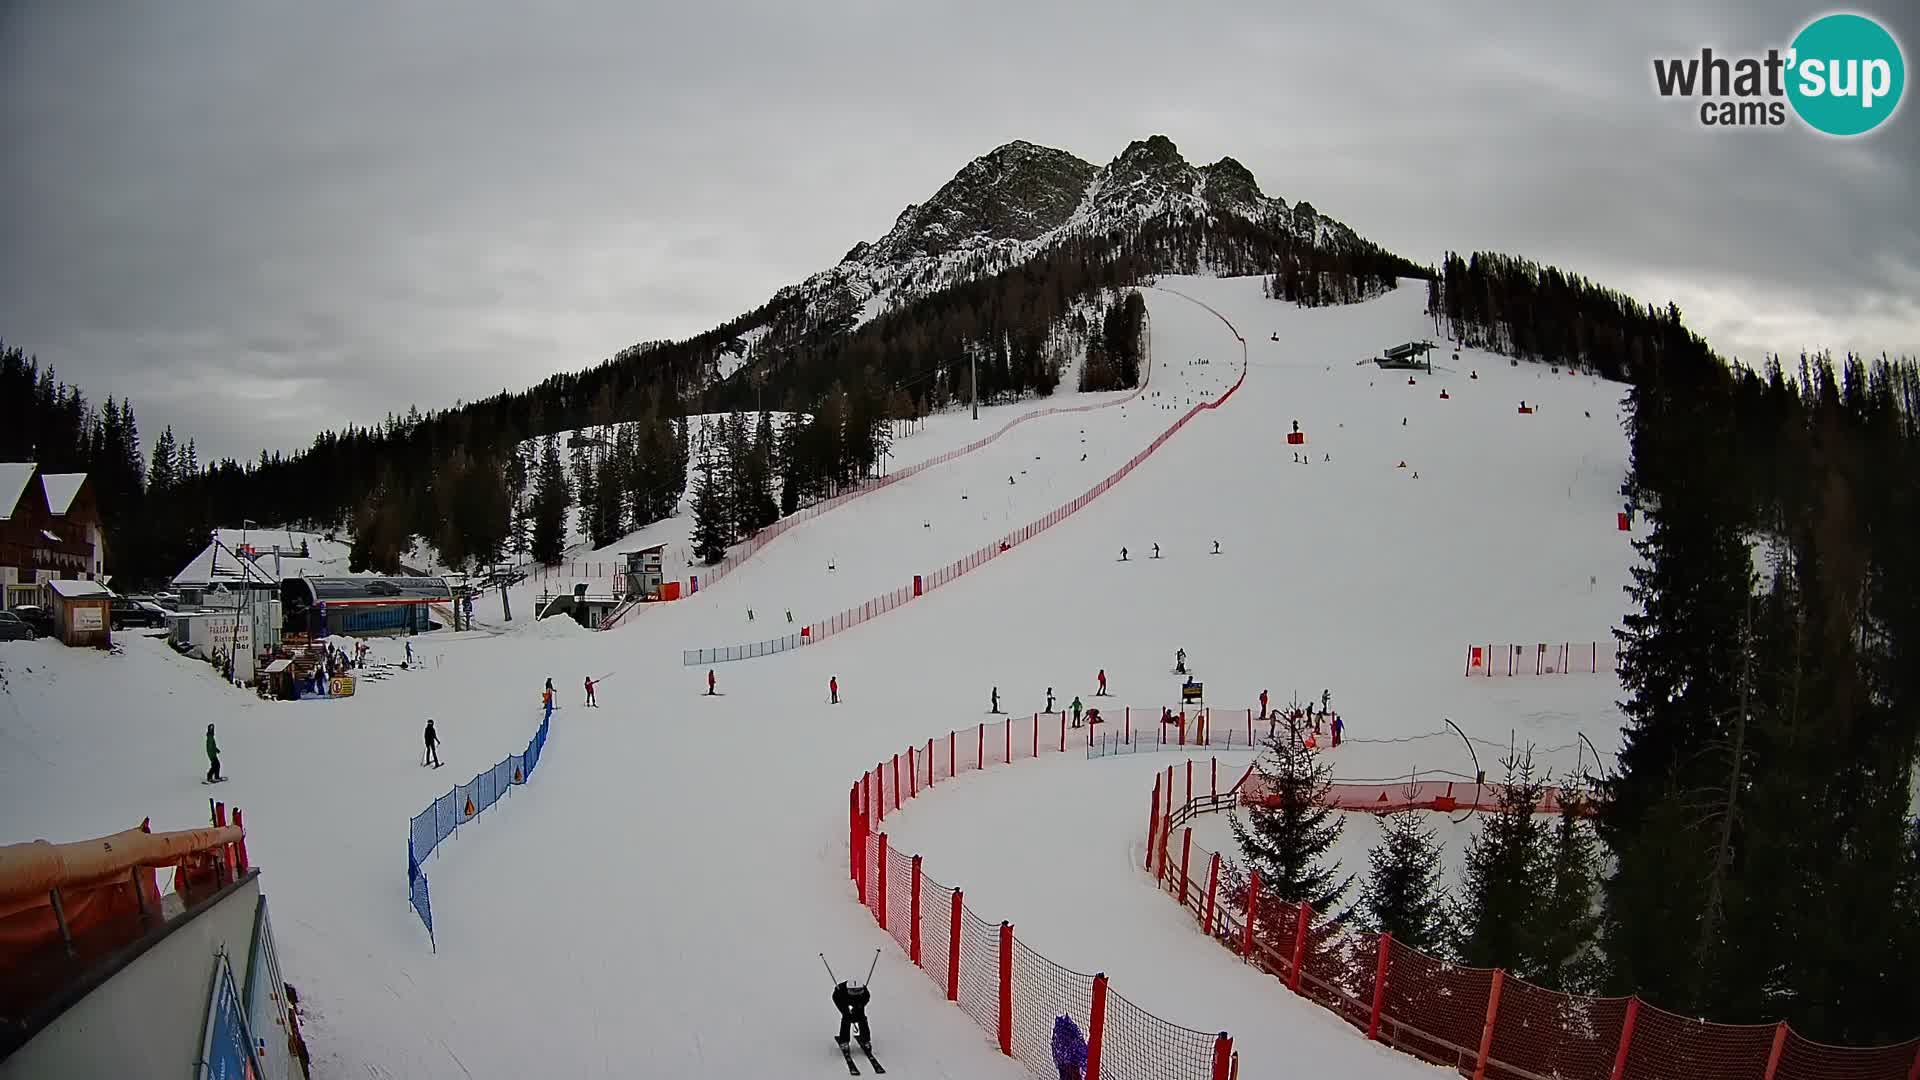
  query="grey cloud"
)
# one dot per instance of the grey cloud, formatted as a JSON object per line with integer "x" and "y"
{"x": 262, "y": 221}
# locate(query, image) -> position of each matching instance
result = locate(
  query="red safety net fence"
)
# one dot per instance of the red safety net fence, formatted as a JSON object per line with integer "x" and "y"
{"x": 1015, "y": 994}
{"x": 1480, "y": 1021}
{"x": 953, "y": 571}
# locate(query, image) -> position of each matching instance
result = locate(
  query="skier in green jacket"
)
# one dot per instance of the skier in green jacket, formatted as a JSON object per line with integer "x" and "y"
{"x": 213, "y": 758}
{"x": 1076, "y": 710}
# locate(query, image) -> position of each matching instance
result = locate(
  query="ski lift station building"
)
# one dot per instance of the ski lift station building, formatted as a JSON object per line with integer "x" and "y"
{"x": 1409, "y": 356}
{"x": 361, "y": 607}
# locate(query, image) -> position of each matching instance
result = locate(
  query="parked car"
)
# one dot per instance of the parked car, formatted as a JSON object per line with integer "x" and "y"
{"x": 128, "y": 611}
{"x": 37, "y": 617}
{"x": 14, "y": 628}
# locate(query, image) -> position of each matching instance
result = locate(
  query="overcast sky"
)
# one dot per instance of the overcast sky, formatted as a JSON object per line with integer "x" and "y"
{"x": 260, "y": 220}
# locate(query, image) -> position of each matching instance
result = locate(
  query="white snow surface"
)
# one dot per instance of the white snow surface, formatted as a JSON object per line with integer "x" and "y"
{"x": 652, "y": 902}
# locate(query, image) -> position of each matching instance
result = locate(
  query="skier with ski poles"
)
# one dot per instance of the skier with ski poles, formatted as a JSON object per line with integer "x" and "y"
{"x": 850, "y": 998}
{"x": 591, "y": 704}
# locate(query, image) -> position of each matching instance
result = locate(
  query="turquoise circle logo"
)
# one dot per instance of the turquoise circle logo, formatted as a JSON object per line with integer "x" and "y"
{"x": 1848, "y": 74}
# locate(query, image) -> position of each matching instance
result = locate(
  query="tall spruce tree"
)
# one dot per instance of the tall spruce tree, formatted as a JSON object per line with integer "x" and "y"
{"x": 1506, "y": 873}
{"x": 1403, "y": 894}
{"x": 710, "y": 537}
{"x": 1288, "y": 836}
{"x": 1567, "y": 917}
{"x": 1681, "y": 654}
{"x": 551, "y": 499}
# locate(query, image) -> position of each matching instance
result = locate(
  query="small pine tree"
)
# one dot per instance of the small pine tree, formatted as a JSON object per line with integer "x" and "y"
{"x": 1287, "y": 836}
{"x": 1507, "y": 874}
{"x": 709, "y": 517}
{"x": 1403, "y": 894}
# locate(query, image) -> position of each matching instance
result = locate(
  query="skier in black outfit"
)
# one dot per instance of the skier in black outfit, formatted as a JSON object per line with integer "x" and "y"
{"x": 851, "y": 999}
{"x": 433, "y": 744}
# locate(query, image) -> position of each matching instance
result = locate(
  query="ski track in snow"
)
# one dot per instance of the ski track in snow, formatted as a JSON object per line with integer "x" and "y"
{"x": 652, "y": 901}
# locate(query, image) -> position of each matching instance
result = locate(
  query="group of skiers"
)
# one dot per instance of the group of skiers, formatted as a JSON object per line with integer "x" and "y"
{"x": 1156, "y": 551}
{"x": 1081, "y": 714}
{"x": 1326, "y": 720}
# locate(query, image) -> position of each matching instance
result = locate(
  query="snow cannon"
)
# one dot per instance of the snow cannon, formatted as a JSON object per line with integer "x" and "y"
{"x": 1296, "y": 437}
{"x": 1526, "y": 409}
{"x": 1475, "y": 375}
{"x": 1411, "y": 380}
{"x": 1444, "y": 396}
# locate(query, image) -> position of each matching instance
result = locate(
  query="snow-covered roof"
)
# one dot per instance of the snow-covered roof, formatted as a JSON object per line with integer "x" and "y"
{"x": 14, "y": 476}
{"x": 77, "y": 590}
{"x": 217, "y": 564}
{"x": 61, "y": 488}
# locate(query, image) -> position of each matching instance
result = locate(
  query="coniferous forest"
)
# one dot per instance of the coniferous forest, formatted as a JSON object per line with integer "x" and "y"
{"x": 1759, "y": 855}
{"x": 1754, "y": 852}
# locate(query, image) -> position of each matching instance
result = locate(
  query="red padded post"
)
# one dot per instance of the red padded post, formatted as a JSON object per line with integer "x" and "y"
{"x": 1096, "y": 1026}
{"x": 953, "y": 948}
{"x": 880, "y": 782}
{"x": 1213, "y": 890}
{"x": 1007, "y": 727}
{"x": 240, "y": 845}
{"x": 953, "y": 760}
{"x": 1379, "y": 987}
{"x": 1253, "y": 909}
{"x": 896, "y": 781}
{"x": 1299, "y": 946}
{"x": 1006, "y": 988}
{"x": 980, "y": 761}
{"x": 1189, "y": 801}
{"x": 1153, "y": 821}
{"x": 1063, "y": 733}
{"x": 1486, "y": 1033}
{"x": 913, "y": 927}
{"x": 1626, "y": 1042}
{"x": 883, "y": 881}
{"x": 913, "y": 774}
{"x": 1222, "y": 1056}
{"x": 1213, "y": 786}
{"x": 1186, "y": 855}
{"x": 1779, "y": 1045}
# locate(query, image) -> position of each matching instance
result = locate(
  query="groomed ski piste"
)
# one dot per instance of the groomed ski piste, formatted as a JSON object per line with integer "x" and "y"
{"x": 653, "y": 901}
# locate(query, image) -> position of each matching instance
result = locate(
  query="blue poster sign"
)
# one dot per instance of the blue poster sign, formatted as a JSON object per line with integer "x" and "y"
{"x": 227, "y": 1053}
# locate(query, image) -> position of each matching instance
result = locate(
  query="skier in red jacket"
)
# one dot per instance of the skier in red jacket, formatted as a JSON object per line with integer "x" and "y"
{"x": 1102, "y": 677}
{"x": 833, "y": 688}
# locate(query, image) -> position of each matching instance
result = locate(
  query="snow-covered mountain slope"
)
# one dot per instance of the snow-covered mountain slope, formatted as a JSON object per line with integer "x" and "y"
{"x": 1005, "y": 208}
{"x": 666, "y": 880}
{"x": 1020, "y": 199}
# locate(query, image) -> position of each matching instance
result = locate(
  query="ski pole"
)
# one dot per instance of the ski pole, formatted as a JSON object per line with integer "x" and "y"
{"x": 870, "y": 967}
{"x": 823, "y": 956}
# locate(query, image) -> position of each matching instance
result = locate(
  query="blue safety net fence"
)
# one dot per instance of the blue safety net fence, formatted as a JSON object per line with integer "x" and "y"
{"x": 459, "y": 806}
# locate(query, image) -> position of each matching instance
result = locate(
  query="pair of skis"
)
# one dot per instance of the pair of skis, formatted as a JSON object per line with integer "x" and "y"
{"x": 846, "y": 1051}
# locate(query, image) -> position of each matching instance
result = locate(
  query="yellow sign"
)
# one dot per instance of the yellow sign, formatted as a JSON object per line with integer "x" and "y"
{"x": 340, "y": 686}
